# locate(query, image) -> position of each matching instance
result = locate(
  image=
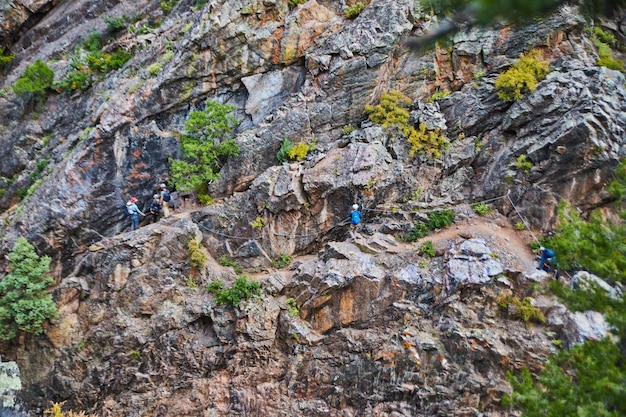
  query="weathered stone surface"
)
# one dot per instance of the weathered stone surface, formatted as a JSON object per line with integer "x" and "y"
{"x": 267, "y": 91}
{"x": 590, "y": 325}
{"x": 585, "y": 280}
{"x": 380, "y": 330}
{"x": 471, "y": 263}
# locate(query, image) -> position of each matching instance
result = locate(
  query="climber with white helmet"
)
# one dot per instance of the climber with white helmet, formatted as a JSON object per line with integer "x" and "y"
{"x": 355, "y": 219}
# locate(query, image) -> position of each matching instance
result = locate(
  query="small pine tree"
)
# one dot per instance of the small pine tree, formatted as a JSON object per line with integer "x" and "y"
{"x": 24, "y": 302}
{"x": 206, "y": 144}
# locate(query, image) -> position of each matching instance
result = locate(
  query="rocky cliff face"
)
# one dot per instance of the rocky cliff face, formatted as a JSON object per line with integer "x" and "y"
{"x": 380, "y": 330}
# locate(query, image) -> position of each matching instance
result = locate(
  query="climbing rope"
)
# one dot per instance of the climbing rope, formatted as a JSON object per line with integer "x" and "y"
{"x": 521, "y": 217}
{"x": 347, "y": 221}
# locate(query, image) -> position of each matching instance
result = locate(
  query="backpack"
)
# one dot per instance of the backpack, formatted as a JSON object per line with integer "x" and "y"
{"x": 355, "y": 217}
{"x": 128, "y": 210}
{"x": 167, "y": 196}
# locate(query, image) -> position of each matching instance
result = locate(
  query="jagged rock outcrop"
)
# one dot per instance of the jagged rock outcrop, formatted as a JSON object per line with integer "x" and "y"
{"x": 377, "y": 331}
{"x": 380, "y": 330}
{"x": 314, "y": 74}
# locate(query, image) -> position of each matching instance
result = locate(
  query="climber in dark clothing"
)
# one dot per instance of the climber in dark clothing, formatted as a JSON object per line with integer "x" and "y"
{"x": 155, "y": 208}
{"x": 548, "y": 261}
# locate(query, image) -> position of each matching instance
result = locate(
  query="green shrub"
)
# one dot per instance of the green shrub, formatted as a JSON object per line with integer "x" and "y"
{"x": 347, "y": 129}
{"x": 427, "y": 249}
{"x": 285, "y": 148}
{"x": 419, "y": 231}
{"x": 258, "y": 223}
{"x": 167, "y": 5}
{"x": 481, "y": 209}
{"x": 441, "y": 218}
{"x": 115, "y": 24}
{"x": 354, "y": 10}
{"x": 522, "y": 77}
{"x": 520, "y": 226}
{"x": 36, "y": 79}
{"x": 24, "y": 302}
{"x": 294, "y": 3}
{"x": 206, "y": 145}
{"x": 292, "y": 307}
{"x": 5, "y": 59}
{"x": 523, "y": 164}
{"x": 604, "y": 36}
{"x": 596, "y": 245}
{"x": 203, "y": 197}
{"x": 605, "y": 57}
{"x": 242, "y": 289}
{"x": 439, "y": 95}
{"x": 392, "y": 113}
{"x": 617, "y": 187}
{"x": 587, "y": 380}
{"x": 75, "y": 80}
{"x": 583, "y": 299}
{"x": 197, "y": 257}
{"x": 523, "y": 309}
{"x": 281, "y": 261}
{"x": 226, "y": 261}
{"x": 93, "y": 42}
{"x": 215, "y": 287}
{"x": 154, "y": 69}
{"x": 90, "y": 65}
{"x": 415, "y": 195}
{"x": 430, "y": 142}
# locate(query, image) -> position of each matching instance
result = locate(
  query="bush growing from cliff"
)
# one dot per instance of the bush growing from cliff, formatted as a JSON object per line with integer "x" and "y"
{"x": 353, "y": 11}
{"x": 56, "y": 411}
{"x": 522, "y": 77}
{"x": 523, "y": 164}
{"x": 290, "y": 151}
{"x": 89, "y": 64}
{"x": 226, "y": 261}
{"x": 440, "y": 218}
{"x": 5, "y": 59}
{"x": 36, "y": 80}
{"x": 242, "y": 289}
{"x": 281, "y": 261}
{"x": 294, "y": 3}
{"x": 419, "y": 230}
{"x": 424, "y": 141}
{"x": 24, "y": 302}
{"x": 482, "y": 209}
{"x": 604, "y": 41}
{"x": 522, "y": 309}
{"x": 427, "y": 249}
{"x": 206, "y": 145}
{"x": 597, "y": 245}
{"x": 392, "y": 113}
{"x": 587, "y": 380}
{"x": 197, "y": 257}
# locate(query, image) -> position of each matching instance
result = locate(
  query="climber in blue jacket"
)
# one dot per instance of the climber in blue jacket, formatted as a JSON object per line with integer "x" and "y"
{"x": 548, "y": 261}
{"x": 355, "y": 219}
